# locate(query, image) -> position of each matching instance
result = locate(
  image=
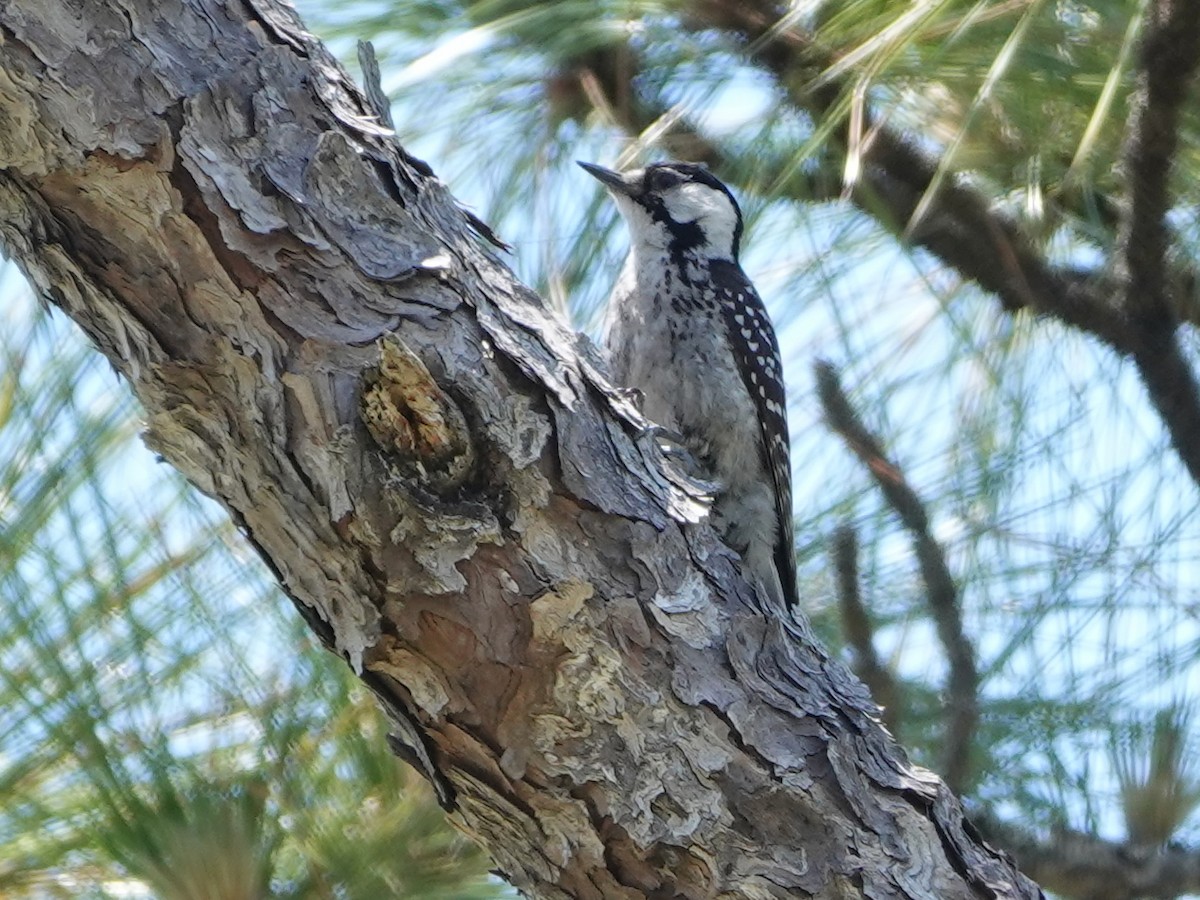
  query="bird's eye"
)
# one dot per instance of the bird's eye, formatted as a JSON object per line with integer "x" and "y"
{"x": 661, "y": 179}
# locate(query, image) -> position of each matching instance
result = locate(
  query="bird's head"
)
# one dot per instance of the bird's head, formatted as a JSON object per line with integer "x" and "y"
{"x": 675, "y": 207}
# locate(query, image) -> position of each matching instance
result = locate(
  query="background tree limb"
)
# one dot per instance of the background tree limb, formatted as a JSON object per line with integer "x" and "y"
{"x": 962, "y": 683}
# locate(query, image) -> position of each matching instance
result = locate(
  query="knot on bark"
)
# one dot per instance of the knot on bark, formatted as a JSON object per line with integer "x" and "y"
{"x": 415, "y": 421}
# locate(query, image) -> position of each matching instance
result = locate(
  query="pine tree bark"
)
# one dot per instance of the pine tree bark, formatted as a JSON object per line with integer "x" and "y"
{"x": 440, "y": 476}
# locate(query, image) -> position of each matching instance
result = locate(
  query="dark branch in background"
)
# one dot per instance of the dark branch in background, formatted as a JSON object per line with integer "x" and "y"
{"x": 1168, "y": 62}
{"x": 1168, "y": 65}
{"x": 958, "y": 225}
{"x": 1074, "y": 864}
{"x": 963, "y": 683}
{"x": 860, "y": 633}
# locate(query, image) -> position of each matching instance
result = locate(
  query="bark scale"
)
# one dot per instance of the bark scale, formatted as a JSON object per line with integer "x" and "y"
{"x": 440, "y": 476}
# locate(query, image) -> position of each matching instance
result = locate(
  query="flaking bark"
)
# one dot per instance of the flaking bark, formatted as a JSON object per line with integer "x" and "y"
{"x": 572, "y": 661}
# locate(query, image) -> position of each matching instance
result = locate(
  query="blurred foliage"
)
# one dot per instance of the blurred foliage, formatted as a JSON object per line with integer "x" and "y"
{"x": 1159, "y": 774}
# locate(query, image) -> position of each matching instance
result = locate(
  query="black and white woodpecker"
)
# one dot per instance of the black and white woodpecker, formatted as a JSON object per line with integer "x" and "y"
{"x": 686, "y": 328}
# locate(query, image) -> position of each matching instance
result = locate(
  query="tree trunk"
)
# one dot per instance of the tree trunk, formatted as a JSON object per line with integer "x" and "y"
{"x": 442, "y": 480}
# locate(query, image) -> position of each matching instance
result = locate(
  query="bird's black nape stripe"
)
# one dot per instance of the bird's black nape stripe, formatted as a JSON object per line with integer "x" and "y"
{"x": 684, "y": 236}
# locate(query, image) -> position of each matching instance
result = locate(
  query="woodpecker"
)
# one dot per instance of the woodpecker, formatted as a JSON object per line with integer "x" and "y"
{"x": 686, "y": 328}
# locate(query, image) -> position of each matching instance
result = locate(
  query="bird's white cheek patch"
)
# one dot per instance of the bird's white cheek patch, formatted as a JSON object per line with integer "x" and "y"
{"x": 692, "y": 202}
{"x": 708, "y": 208}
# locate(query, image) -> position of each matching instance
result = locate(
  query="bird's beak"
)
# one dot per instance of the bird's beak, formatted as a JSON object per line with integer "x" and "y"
{"x": 614, "y": 181}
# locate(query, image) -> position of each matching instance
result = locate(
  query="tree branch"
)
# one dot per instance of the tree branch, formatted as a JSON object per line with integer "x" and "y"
{"x": 963, "y": 683}
{"x": 1169, "y": 58}
{"x": 445, "y": 484}
{"x": 1169, "y": 55}
{"x": 958, "y": 227}
{"x": 1078, "y": 865}
{"x": 860, "y": 633}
